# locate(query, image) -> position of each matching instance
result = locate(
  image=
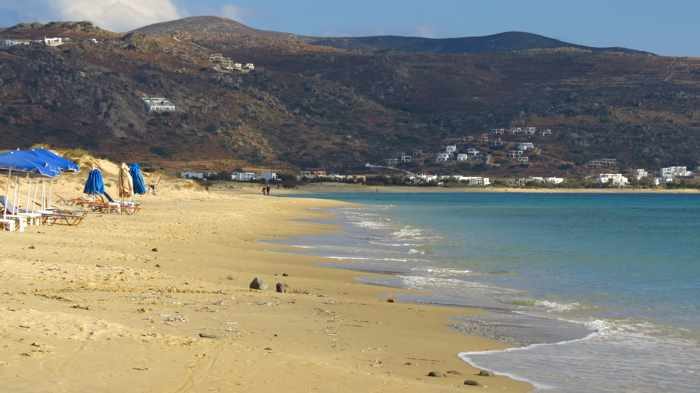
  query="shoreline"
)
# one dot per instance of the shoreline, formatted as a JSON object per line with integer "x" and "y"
{"x": 165, "y": 294}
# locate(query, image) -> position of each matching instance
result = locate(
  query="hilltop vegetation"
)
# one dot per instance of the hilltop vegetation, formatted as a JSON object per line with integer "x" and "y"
{"x": 323, "y": 103}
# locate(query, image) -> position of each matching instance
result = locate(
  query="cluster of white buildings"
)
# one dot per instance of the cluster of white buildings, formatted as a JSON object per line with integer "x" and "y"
{"x": 7, "y": 43}
{"x": 472, "y": 181}
{"x": 266, "y": 177}
{"x": 194, "y": 175}
{"x": 451, "y": 153}
{"x": 613, "y": 179}
{"x": 225, "y": 64}
{"x": 158, "y": 104}
{"x": 238, "y": 176}
{"x": 666, "y": 175}
{"x": 555, "y": 181}
{"x": 522, "y": 131}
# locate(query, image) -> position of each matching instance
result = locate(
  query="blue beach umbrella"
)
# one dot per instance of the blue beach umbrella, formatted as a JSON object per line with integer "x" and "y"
{"x": 94, "y": 185}
{"x": 28, "y": 162}
{"x": 56, "y": 161}
{"x": 137, "y": 177}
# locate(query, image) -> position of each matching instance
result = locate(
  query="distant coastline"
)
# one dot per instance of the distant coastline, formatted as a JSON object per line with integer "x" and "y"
{"x": 340, "y": 187}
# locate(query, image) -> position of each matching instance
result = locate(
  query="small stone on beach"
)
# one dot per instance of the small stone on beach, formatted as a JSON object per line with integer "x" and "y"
{"x": 435, "y": 374}
{"x": 207, "y": 335}
{"x": 258, "y": 284}
{"x": 390, "y": 300}
{"x": 471, "y": 382}
{"x": 281, "y": 287}
{"x": 154, "y": 249}
{"x": 484, "y": 373}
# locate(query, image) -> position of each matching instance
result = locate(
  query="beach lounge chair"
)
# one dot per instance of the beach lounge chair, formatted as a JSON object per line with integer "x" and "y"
{"x": 8, "y": 224}
{"x": 63, "y": 217}
{"x": 13, "y": 218}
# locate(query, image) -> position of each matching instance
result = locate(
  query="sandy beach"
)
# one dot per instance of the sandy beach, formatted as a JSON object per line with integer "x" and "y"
{"x": 159, "y": 302}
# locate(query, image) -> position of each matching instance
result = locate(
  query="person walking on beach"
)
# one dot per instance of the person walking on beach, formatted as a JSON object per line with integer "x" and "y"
{"x": 264, "y": 190}
{"x": 267, "y": 188}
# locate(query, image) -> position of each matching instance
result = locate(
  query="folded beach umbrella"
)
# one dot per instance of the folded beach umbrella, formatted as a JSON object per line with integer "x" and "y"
{"x": 137, "y": 177}
{"x": 126, "y": 184}
{"x": 95, "y": 184}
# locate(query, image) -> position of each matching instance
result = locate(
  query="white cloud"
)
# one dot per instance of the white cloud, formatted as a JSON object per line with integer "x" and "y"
{"x": 232, "y": 11}
{"x": 117, "y": 15}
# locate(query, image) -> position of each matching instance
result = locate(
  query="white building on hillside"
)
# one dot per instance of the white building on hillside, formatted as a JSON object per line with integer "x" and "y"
{"x": 526, "y": 146}
{"x": 451, "y": 149}
{"x": 443, "y": 157}
{"x": 158, "y": 104}
{"x": 613, "y": 179}
{"x": 9, "y": 43}
{"x": 53, "y": 41}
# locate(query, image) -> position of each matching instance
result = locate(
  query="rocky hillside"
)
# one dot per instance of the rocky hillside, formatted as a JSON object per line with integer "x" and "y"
{"x": 308, "y": 104}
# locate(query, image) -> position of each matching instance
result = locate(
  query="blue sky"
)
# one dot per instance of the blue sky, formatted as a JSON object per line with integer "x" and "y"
{"x": 664, "y": 27}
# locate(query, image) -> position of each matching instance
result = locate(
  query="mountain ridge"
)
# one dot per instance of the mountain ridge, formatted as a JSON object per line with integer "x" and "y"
{"x": 500, "y": 42}
{"x": 311, "y": 106}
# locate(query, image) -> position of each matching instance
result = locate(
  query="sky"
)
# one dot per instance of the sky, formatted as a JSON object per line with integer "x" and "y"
{"x": 663, "y": 27}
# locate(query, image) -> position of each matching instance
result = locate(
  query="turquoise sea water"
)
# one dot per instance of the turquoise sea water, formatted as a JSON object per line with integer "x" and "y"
{"x": 595, "y": 292}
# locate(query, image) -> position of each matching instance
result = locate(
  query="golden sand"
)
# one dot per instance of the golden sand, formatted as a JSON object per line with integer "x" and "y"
{"x": 159, "y": 302}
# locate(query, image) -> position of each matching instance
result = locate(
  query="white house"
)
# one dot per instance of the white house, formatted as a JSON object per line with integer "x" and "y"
{"x": 554, "y": 180}
{"x": 158, "y": 104}
{"x": 462, "y": 157}
{"x": 9, "y": 43}
{"x": 53, "y": 41}
{"x": 475, "y": 181}
{"x": 472, "y": 152}
{"x": 443, "y": 157}
{"x": 640, "y": 174}
{"x": 451, "y": 149}
{"x": 249, "y": 67}
{"x": 614, "y": 179}
{"x": 526, "y": 146}
{"x": 193, "y": 175}
{"x": 243, "y": 176}
{"x": 268, "y": 176}
{"x": 515, "y": 154}
{"x": 673, "y": 172}
{"x": 406, "y": 158}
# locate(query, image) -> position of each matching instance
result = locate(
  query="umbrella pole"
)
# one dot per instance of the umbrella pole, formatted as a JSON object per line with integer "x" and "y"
{"x": 28, "y": 207}
{"x": 35, "y": 191}
{"x": 7, "y": 194}
{"x": 50, "y": 204}
{"x": 17, "y": 197}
